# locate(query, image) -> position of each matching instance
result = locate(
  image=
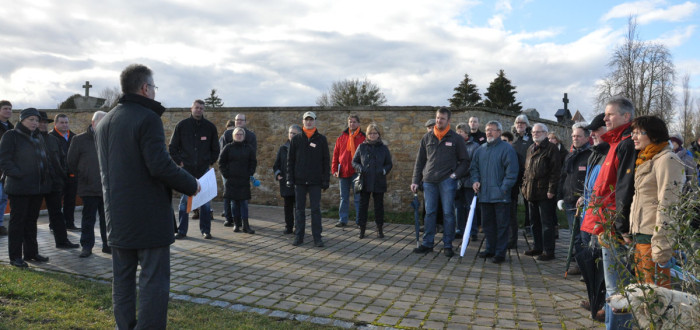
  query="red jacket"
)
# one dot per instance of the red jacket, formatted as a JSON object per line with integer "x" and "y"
{"x": 615, "y": 172}
{"x": 342, "y": 156}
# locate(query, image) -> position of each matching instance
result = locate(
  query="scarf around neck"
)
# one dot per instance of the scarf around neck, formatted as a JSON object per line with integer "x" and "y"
{"x": 309, "y": 132}
{"x": 351, "y": 141}
{"x": 440, "y": 134}
{"x": 650, "y": 151}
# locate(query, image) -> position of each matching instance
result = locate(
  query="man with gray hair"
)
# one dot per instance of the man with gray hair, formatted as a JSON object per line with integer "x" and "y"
{"x": 82, "y": 158}
{"x": 494, "y": 171}
{"x": 523, "y": 139}
{"x": 540, "y": 183}
{"x": 612, "y": 197}
{"x": 573, "y": 176}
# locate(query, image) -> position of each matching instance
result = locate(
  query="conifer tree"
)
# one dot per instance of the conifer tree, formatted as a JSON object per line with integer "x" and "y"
{"x": 501, "y": 94}
{"x": 213, "y": 101}
{"x": 466, "y": 94}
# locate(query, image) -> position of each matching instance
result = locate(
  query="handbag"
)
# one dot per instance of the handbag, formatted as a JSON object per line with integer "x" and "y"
{"x": 357, "y": 183}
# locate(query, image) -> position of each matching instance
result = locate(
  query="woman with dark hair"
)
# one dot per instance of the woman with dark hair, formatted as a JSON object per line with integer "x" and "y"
{"x": 25, "y": 165}
{"x": 373, "y": 161}
{"x": 237, "y": 164}
{"x": 280, "y": 169}
{"x": 658, "y": 179}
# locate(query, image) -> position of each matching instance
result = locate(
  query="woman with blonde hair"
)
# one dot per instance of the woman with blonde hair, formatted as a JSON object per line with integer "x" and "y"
{"x": 373, "y": 161}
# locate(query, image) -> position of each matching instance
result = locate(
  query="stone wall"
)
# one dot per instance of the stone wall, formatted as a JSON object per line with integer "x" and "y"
{"x": 402, "y": 131}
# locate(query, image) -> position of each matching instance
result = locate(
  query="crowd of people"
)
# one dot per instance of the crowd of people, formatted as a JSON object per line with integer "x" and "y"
{"x": 619, "y": 170}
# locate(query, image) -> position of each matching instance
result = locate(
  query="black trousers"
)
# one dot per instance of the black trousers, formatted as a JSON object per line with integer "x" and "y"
{"x": 92, "y": 207}
{"x": 57, "y": 222}
{"x": 378, "y": 208}
{"x": 70, "y": 190}
{"x": 22, "y": 229}
{"x": 314, "y": 192}
{"x": 544, "y": 217}
{"x": 289, "y": 202}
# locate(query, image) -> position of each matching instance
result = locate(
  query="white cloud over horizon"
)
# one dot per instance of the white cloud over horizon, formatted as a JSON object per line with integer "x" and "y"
{"x": 286, "y": 52}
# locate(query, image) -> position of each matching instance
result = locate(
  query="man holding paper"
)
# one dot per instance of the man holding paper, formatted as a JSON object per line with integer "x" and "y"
{"x": 137, "y": 178}
{"x": 194, "y": 146}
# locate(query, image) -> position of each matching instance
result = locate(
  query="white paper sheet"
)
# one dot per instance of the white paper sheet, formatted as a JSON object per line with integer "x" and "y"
{"x": 208, "y": 192}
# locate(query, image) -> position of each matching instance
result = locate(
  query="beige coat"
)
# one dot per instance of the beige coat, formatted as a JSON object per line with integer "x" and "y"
{"x": 657, "y": 184}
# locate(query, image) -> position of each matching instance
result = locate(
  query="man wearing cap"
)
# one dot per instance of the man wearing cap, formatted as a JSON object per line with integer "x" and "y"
{"x": 226, "y": 138}
{"x": 82, "y": 158}
{"x": 308, "y": 171}
{"x": 57, "y": 174}
{"x": 440, "y": 163}
{"x": 70, "y": 185}
{"x": 138, "y": 177}
{"x": 5, "y": 125}
{"x": 194, "y": 147}
{"x": 343, "y": 153}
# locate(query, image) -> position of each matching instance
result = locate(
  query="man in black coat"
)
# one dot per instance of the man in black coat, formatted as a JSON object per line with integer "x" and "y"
{"x": 308, "y": 171}
{"x": 194, "y": 147}
{"x": 5, "y": 125}
{"x": 57, "y": 173}
{"x": 82, "y": 158}
{"x": 64, "y": 135}
{"x": 137, "y": 177}
{"x": 474, "y": 132}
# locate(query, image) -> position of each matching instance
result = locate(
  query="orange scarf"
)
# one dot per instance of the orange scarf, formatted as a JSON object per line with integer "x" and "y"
{"x": 440, "y": 134}
{"x": 650, "y": 151}
{"x": 309, "y": 132}
{"x": 351, "y": 141}
{"x": 65, "y": 136}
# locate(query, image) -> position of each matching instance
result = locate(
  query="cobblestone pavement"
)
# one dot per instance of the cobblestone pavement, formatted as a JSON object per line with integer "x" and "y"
{"x": 359, "y": 281}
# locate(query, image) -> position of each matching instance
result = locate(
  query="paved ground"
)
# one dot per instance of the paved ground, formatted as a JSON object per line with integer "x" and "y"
{"x": 377, "y": 281}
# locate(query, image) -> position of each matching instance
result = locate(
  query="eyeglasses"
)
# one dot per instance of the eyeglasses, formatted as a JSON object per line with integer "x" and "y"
{"x": 638, "y": 133}
{"x": 154, "y": 86}
{"x": 520, "y": 122}
{"x": 538, "y": 132}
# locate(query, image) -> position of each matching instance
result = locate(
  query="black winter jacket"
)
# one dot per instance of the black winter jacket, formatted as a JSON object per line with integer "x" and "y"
{"x": 309, "y": 161}
{"x": 438, "y": 159}
{"x": 82, "y": 158}
{"x": 542, "y": 171}
{"x": 227, "y": 138}
{"x": 24, "y": 162}
{"x": 194, "y": 144}
{"x": 573, "y": 174}
{"x": 57, "y": 159}
{"x": 280, "y": 168}
{"x": 237, "y": 164}
{"x": 64, "y": 144}
{"x": 521, "y": 143}
{"x": 4, "y": 129}
{"x": 373, "y": 162}
{"x": 138, "y": 175}
{"x": 479, "y": 137}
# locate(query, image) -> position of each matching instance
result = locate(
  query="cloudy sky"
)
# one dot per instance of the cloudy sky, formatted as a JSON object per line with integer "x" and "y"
{"x": 287, "y": 52}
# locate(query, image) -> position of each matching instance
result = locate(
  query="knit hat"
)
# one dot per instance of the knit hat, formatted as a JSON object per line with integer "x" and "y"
{"x": 28, "y": 112}
{"x": 677, "y": 138}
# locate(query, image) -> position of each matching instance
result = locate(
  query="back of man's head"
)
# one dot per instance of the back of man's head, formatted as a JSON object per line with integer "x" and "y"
{"x": 133, "y": 77}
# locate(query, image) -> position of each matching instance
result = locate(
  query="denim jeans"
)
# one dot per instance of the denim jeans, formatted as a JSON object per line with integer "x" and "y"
{"x": 445, "y": 193}
{"x": 614, "y": 274}
{"x": 345, "y": 186}
{"x": 93, "y": 206}
{"x": 154, "y": 287}
{"x": 204, "y": 217}
{"x": 543, "y": 216}
{"x": 314, "y": 192}
{"x": 239, "y": 208}
{"x": 495, "y": 221}
{"x": 3, "y": 203}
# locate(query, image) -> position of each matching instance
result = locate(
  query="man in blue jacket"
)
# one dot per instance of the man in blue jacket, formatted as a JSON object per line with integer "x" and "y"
{"x": 494, "y": 171}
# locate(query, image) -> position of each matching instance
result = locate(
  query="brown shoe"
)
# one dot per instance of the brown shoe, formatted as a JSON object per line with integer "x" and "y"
{"x": 585, "y": 304}
{"x": 546, "y": 256}
{"x": 600, "y": 316}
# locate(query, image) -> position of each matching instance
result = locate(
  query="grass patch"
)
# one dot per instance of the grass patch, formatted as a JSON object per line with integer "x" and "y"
{"x": 42, "y": 300}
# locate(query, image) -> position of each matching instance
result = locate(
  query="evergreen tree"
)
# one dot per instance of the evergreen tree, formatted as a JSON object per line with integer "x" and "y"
{"x": 213, "y": 101}
{"x": 466, "y": 94}
{"x": 501, "y": 94}
{"x": 69, "y": 103}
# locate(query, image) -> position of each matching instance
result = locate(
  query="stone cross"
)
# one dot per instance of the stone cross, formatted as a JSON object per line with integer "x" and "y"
{"x": 87, "y": 87}
{"x": 565, "y": 99}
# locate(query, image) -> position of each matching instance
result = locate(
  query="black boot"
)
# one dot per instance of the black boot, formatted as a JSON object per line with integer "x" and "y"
{"x": 237, "y": 225}
{"x": 246, "y": 227}
{"x": 362, "y": 231}
{"x": 380, "y": 231}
